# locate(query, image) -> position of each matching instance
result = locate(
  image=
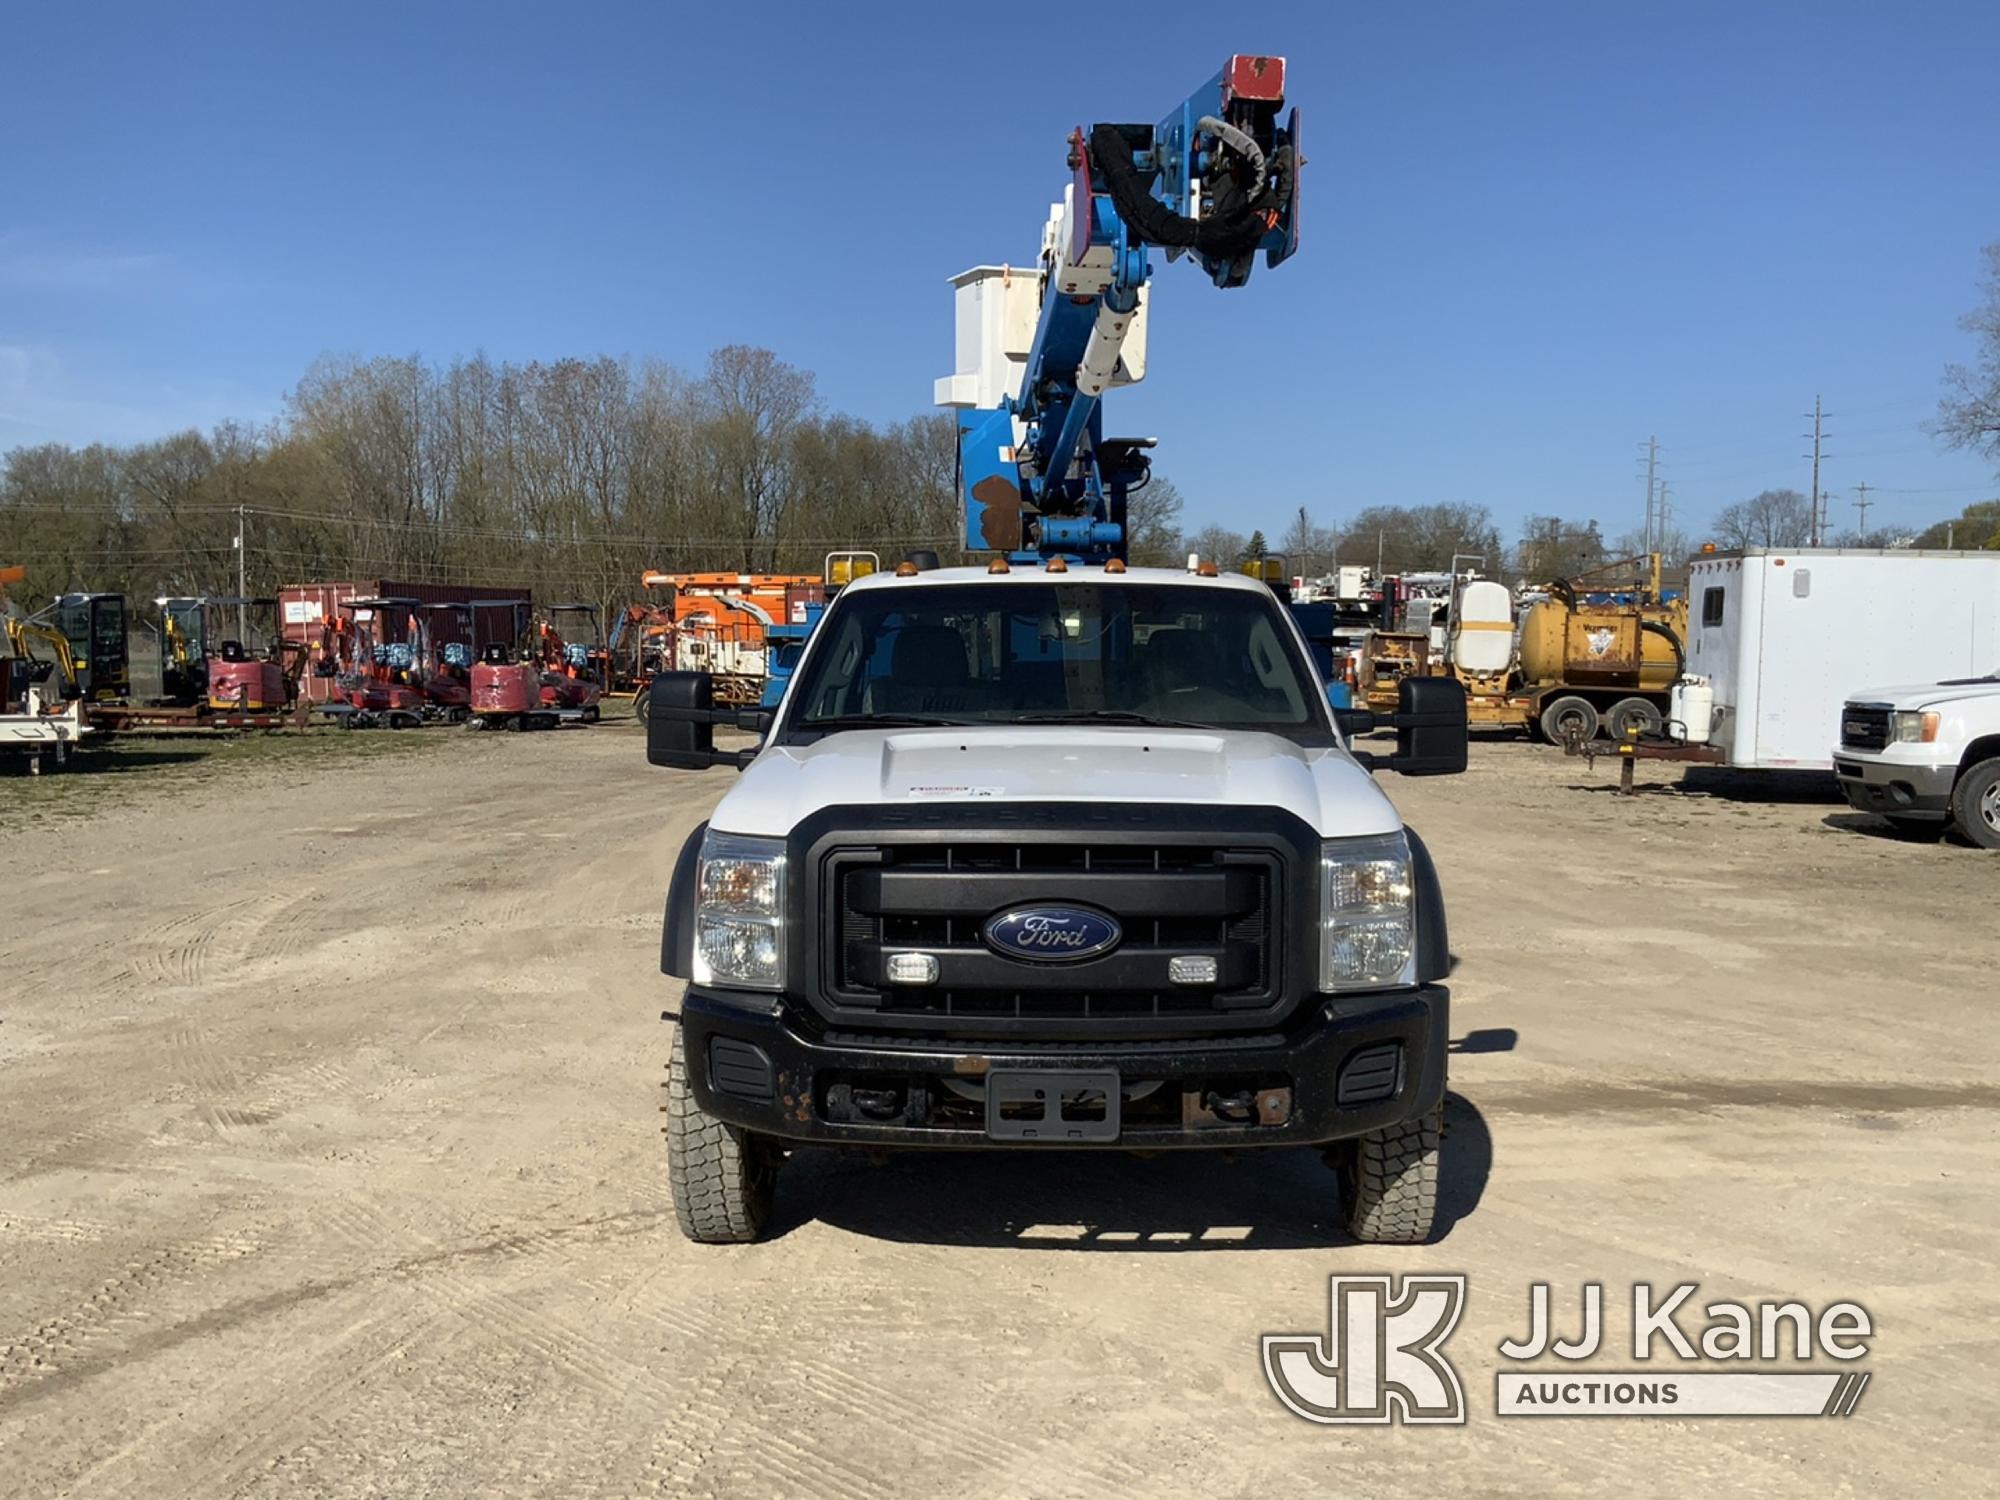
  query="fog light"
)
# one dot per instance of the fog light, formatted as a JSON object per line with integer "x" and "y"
{"x": 1192, "y": 969}
{"x": 913, "y": 968}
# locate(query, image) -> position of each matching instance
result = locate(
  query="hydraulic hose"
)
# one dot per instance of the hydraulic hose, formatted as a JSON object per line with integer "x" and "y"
{"x": 1660, "y": 628}
{"x": 1240, "y": 141}
{"x": 1222, "y": 237}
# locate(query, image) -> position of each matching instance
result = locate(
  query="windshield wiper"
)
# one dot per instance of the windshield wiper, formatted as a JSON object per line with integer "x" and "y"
{"x": 885, "y": 721}
{"x": 1108, "y": 716}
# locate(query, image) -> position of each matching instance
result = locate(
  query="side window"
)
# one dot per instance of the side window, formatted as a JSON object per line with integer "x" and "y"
{"x": 1711, "y": 606}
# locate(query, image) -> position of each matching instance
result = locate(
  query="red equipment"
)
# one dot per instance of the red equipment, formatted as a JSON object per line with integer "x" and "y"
{"x": 573, "y": 673}
{"x": 546, "y": 684}
{"x": 444, "y": 673}
{"x": 378, "y": 643}
{"x": 506, "y": 692}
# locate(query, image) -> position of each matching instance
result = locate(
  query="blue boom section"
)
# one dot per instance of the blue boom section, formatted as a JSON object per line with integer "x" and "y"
{"x": 1216, "y": 179}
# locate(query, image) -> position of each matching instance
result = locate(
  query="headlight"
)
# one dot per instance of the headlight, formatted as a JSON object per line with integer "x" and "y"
{"x": 1368, "y": 919}
{"x": 739, "y": 918}
{"x": 1915, "y": 728}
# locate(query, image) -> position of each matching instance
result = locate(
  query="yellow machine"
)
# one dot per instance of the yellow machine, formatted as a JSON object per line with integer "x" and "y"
{"x": 1578, "y": 668}
{"x": 21, "y": 636}
{"x": 41, "y": 710}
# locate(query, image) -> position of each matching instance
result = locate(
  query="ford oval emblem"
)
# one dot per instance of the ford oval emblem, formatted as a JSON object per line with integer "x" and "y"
{"x": 1051, "y": 934}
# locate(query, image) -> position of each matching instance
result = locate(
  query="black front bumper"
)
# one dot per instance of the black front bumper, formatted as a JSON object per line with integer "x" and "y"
{"x": 1882, "y": 786}
{"x": 1344, "y": 1066}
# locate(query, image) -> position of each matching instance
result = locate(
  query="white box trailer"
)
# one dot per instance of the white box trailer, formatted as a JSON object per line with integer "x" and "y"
{"x": 1782, "y": 637}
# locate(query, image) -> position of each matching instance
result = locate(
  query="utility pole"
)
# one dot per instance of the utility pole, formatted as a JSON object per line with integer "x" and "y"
{"x": 1666, "y": 510}
{"x": 242, "y": 588}
{"x": 1861, "y": 503}
{"x": 1818, "y": 508}
{"x": 1652, "y": 447}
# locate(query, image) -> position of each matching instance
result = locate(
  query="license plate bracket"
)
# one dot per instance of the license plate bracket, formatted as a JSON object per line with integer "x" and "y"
{"x": 1054, "y": 1107}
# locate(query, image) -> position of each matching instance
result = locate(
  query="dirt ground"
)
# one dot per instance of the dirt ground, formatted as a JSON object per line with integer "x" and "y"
{"x": 330, "y": 1165}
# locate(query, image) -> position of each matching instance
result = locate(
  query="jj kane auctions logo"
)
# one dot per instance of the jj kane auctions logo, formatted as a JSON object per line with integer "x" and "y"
{"x": 1382, "y": 1357}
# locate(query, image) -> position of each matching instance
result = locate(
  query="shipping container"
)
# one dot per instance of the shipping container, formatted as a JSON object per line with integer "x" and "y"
{"x": 306, "y": 608}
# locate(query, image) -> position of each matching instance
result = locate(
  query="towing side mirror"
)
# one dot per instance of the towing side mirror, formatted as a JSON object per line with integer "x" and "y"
{"x": 685, "y": 743}
{"x": 1431, "y": 735}
{"x": 680, "y": 723}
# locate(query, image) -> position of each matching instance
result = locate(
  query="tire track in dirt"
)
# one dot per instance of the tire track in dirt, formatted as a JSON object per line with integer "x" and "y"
{"x": 305, "y": 1385}
{"x": 60, "y": 1230}
{"x": 43, "y": 1351}
{"x": 590, "y": 1385}
{"x": 676, "y": 1434}
{"x": 859, "y": 1400}
{"x": 177, "y": 953}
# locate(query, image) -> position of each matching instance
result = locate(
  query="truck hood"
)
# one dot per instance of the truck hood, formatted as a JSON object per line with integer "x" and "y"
{"x": 1325, "y": 787}
{"x": 1922, "y": 694}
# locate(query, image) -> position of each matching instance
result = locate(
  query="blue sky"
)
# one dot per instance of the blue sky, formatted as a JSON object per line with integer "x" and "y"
{"x": 1535, "y": 233}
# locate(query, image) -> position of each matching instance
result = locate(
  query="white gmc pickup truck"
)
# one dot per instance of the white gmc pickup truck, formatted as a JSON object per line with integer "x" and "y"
{"x": 1925, "y": 755}
{"x": 1055, "y": 857}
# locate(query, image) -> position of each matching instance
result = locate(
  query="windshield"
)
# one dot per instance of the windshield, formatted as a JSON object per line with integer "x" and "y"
{"x": 1059, "y": 652}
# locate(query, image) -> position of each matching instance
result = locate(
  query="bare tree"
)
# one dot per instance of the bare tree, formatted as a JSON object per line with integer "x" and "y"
{"x": 1421, "y": 538}
{"x": 1553, "y": 548}
{"x": 1674, "y": 545}
{"x": 1153, "y": 524}
{"x": 1969, "y": 413}
{"x": 1774, "y": 518}
{"x": 754, "y": 405}
{"x": 1308, "y": 547}
{"x": 1219, "y": 545}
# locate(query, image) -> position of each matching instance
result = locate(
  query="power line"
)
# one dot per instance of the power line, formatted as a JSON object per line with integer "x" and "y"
{"x": 1652, "y": 447}
{"x": 1818, "y": 500}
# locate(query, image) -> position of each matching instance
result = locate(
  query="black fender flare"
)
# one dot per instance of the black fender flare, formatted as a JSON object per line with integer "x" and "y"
{"x": 677, "y": 935}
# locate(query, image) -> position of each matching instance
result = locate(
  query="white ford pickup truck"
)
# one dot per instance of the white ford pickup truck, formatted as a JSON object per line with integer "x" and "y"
{"x": 1925, "y": 755}
{"x": 1055, "y": 857}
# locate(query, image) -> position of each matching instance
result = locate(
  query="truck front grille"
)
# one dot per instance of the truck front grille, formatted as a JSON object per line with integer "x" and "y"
{"x": 1864, "y": 726}
{"x": 1171, "y": 900}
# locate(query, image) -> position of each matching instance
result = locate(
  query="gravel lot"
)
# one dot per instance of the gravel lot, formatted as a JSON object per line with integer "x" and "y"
{"x": 329, "y": 1162}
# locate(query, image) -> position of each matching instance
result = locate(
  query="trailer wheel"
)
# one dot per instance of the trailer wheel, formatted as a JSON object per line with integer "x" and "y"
{"x": 722, "y": 1177}
{"x": 1975, "y": 804}
{"x": 1389, "y": 1180}
{"x": 1633, "y": 713}
{"x": 1569, "y": 718}
{"x": 642, "y": 703}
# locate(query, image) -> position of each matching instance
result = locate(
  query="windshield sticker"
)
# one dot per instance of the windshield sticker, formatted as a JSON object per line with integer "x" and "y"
{"x": 954, "y": 791}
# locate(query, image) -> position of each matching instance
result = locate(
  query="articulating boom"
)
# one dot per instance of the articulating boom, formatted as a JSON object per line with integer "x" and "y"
{"x": 1218, "y": 177}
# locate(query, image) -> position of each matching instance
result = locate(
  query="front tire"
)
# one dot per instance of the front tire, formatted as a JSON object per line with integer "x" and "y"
{"x": 1389, "y": 1181}
{"x": 1975, "y": 804}
{"x": 723, "y": 1177}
